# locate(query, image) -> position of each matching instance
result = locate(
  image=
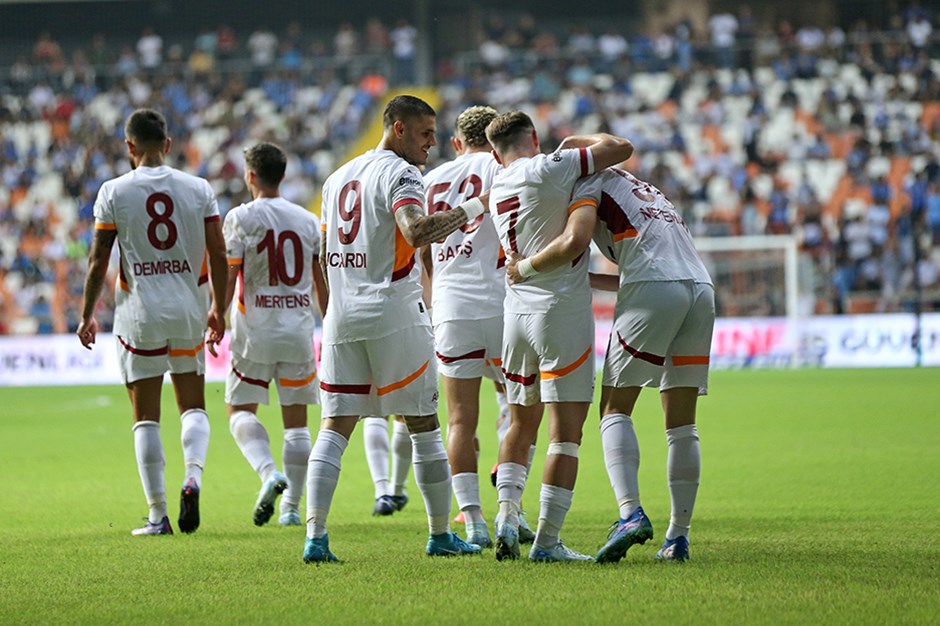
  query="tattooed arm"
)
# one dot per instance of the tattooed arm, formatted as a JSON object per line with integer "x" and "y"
{"x": 420, "y": 229}
{"x": 98, "y": 259}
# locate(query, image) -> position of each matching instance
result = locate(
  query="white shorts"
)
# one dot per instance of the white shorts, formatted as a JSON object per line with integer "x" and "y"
{"x": 556, "y": 351}
{"x": 470, "y": 348}
{"x": 140, "y": 360}
{"x": 396, "y": 374}
{"x": 661, "y": 336}
{"x": 247, "y": 382}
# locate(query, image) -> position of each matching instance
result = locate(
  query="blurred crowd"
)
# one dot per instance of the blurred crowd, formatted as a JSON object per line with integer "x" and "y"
{"x": 828, "y": 134}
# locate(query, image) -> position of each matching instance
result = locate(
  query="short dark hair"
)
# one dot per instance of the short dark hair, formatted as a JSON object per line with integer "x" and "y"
{"x": 146, "y": 127}
{"x": 505, "y": 130}
{"x": 268, "y": 162}
{"x": 472, "y": 125}
{"x": 405, "y": 108}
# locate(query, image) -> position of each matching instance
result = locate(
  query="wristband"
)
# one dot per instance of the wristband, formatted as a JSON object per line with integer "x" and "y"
{"x": 474, "y": 208}
{"x": 525, "y": 268}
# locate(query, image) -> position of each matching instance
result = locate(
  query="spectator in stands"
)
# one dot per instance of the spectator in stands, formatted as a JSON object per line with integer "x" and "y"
{"x": 150, "y": 49}
{"x": 723, "y": 27}
{"x": 404, "y": 39}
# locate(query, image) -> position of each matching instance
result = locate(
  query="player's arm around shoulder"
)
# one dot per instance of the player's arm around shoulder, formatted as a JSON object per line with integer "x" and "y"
{"x": 563, "y": 249}
{"x": 420, "y": 229}
{"x": 605, "y": 149}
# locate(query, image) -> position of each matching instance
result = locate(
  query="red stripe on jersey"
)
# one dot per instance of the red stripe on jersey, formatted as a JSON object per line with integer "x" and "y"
{"x": 405, "y": 201}
{"x": 646, "y": 356}
{"x": 251, "y": 381}
{"x": 155, "y": 352}
{"x": 122, "y": 277}
{"x": 355, "y": 389}
{"x": 584, "y": 161}
{"x": 612, "y": 214}
{"x": 519, "y": 378}
{"x": 476, "y": 354}
{"x": 213, "y": 218}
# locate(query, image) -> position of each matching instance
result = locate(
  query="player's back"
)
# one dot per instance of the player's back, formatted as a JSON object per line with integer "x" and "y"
{"x": 160, "y": 215}
{"x": 277, "y": 241}
{"x": 469, "y": 274}
{"x": 529, "y": 202}
{"x": 639, "y": 229}
{"x": 375, "y": 286}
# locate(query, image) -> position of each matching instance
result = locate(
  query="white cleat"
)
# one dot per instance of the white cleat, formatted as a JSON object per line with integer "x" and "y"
{"x": 560, "y": 552}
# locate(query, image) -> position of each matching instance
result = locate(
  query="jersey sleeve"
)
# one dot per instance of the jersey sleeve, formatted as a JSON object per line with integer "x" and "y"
{"x": 212, "y": 205}
{"x": 565, "y": 167}
{"x": 317, "y": 227}
{"x": 234, "y": 239}
{"x": 586, "y": 192}
{"x": 104, "y": 210}
{"x": 407, "y": 187}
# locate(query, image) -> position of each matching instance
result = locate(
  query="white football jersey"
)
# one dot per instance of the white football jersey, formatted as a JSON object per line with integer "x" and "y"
{"x": 159, "y": 214}
{"x": 375, "y": 286}
{"x": 529, "y": 204}
{"x": 275, "y": 242}
{"x": 469, "y": 266}
{"x": 640, "y": 230}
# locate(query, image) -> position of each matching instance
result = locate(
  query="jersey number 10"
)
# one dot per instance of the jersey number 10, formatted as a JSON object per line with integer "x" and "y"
{"x": 278, "y": 271}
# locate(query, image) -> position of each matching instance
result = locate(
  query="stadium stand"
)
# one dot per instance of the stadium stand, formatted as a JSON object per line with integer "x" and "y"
{"x": 827, "y": 134}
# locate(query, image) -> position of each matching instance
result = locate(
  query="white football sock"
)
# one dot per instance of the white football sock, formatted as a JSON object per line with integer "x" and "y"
{"x": 622, "y": 458}
{"x": 322, "y": 475}
{"x": 502, "y": 422}
{"x": 296, "y": 455}
{"x": 195, "y": 437}
{"x": 375, "y": 440}
{"x": 252, "y": 440}
{"x": 467, "y": 492}
{"x": 510, "y": 483}
{"x": 432, "y": 474}
{"x": 554, "y": 505}
{"x": 401, "y": 456}
{"x": 150, "y": 463}
{"x": 683, "y": 467}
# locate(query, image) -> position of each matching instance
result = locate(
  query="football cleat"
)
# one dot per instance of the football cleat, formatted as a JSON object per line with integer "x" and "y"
{"x": 624, "y": 533}
{"x": 674, "y": 550}
{"x": 479, "y": 534}
{"x": 449, "y": 544}
{"x": 526, "y": 534}
{"x": 493, "y": 473}
{"x": 400, "y": 501}
{"x": 507, "y": 543}
{"x": 290, "y": 517}
{"x": 160, "y": 528}
{"x": 317, "y": 550}
{"x": 272, "y": 488}
{"x": 384, "y": 505}
{"x": 557, "y": 554}
{"x": 189, "y": 506}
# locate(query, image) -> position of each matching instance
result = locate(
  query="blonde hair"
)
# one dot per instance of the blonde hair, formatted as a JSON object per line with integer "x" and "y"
{"x": 472, "y": 123}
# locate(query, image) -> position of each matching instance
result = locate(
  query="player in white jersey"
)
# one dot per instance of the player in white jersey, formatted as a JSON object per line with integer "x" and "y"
{"x": 549, "y": 325}
{"x": 272, "y": 247}
{"x": 169, "y": 234}
{"x": 661, "y": 337}
{"x": 377, "y": 352}
{"x": 467, "y": 297}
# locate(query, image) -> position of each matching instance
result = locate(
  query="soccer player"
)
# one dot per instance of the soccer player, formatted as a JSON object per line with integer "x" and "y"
{"x": 467, "y": 298}
{"x": 166, "y": 223}
{"x": 390, "y": 494}
{"x": 548, "y": 336}
{"x": 272, "y": 246}
{"x": 661, "y": 337}
{"x": 377, "y": 355}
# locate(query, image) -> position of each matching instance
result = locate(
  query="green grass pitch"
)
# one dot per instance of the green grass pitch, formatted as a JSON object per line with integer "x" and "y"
{"x": 819, "y": 503}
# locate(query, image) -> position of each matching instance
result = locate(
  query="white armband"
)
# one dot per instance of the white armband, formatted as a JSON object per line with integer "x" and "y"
{"x": 525, "y": 268}
{"x": 474, "y": 208}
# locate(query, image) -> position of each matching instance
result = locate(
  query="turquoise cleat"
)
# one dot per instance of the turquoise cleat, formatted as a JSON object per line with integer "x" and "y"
{"x": 479, "y": 534}
{"x": 317, "y": 550}
{"x": 507, "y": 543}
{"x": 272, "y": 488}
{"x": 624, "y": 533}
{"x": 449, "y": 544}
{"x": 290, "y": 517}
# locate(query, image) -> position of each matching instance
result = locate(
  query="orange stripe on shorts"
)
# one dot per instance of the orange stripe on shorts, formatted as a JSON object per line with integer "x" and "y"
{"x": 689, "y": 360}
{"x": 288, "y": 382}
{"x": 404, "y": 381}
{"x": 192, "y": 352}
{"x": 568, "y": 368}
